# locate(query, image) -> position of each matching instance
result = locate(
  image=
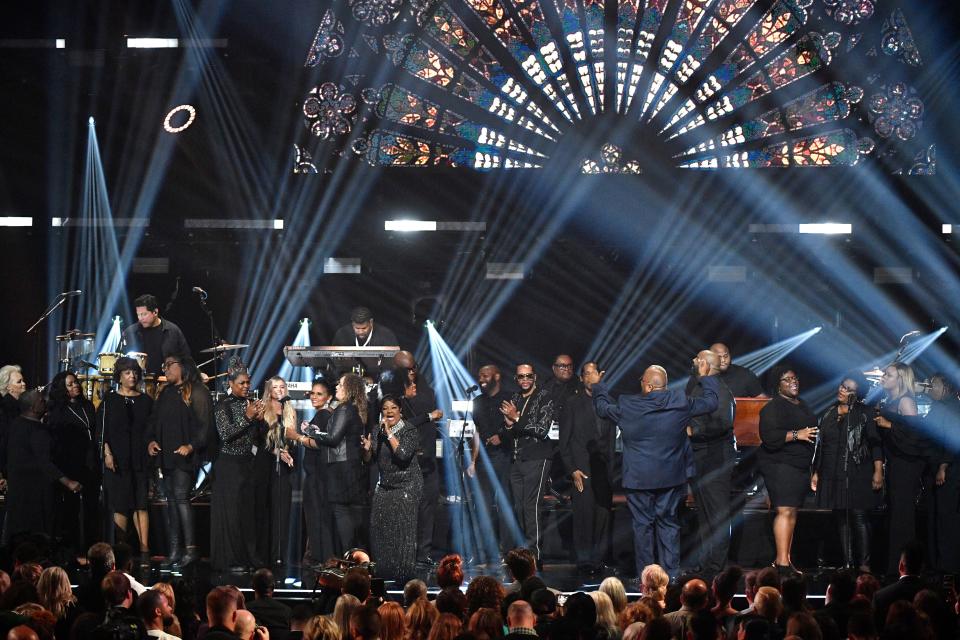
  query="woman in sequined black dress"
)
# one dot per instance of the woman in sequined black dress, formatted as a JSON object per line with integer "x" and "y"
{"x": 393, "y": 519}
{"x": 232, "y": 515}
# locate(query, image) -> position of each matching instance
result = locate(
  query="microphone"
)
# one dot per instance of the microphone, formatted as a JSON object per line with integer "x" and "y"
{"x": 68, "y": 294}
{"x": 471, "y": 389}
{"x": 284, "y": 400}
{"x": 200, "y": 292}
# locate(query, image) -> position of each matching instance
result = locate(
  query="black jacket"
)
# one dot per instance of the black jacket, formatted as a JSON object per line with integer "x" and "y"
{"x": 530, "y": 433}
{"x": 341, "y": 440}
{"x": 716, "y": 426}
{"x": 173, "y": 423}
{"x": 585, "y": 438}
{"x": 173, "y": 342}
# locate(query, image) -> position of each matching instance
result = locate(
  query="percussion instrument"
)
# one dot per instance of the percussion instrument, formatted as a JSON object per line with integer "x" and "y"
{"x": 107, "y": 362}
{"x": 140, "y": 357}
{"x": 220, "y": 348}
{"x": 94, "y": 387}
{"x": 73, "y": 345}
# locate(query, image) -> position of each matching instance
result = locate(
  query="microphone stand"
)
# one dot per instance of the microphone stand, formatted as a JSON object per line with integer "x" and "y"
{"x": 466, "y": 500}
{"x": 214, "y": 335}
{"x": 60, "y": 299}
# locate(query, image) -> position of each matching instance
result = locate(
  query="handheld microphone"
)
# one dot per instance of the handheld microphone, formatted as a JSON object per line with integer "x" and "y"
{"x": 68, "y": 294}
{"x": 284, "y": 400}
{"x": 200, "y": 292}
{"x": 471, "y": 389}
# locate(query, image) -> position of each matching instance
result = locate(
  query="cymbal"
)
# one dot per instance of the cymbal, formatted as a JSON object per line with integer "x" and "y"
{"x": 220, "y": 348}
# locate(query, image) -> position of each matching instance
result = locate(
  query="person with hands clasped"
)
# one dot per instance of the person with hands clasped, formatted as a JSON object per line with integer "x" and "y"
{"x": 788, "y": 433}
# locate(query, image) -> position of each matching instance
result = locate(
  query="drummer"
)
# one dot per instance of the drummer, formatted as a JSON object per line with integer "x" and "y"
{"x": 152, "y": 335}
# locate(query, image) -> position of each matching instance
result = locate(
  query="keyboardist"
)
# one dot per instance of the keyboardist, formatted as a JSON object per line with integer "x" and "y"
{"x": 362, "y": 332}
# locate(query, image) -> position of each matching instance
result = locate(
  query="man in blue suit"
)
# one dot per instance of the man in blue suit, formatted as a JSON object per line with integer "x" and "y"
{"x": 657, "y": 456}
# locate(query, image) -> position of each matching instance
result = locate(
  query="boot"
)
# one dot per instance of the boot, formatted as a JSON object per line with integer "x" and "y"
{"x": 176, "y": 551}
{"x": 186, "y": 520}
{"x": 861, "y": 535}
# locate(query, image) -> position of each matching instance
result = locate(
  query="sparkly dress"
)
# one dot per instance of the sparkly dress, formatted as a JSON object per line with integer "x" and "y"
{"x": 393, "y": 520}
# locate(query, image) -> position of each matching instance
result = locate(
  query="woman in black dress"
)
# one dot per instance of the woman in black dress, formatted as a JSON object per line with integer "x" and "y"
{"x": 275, "y": 461}
{"x": 906, "y": 448}
{"x": 232, "y": 514}
{"x": 316, "y": 506}
{"x": 788, "y": 430}
{"x": 848, "y": 468}
{"x": 393, "y": 518}
{"x": 122, "y": 419}
{"x": 345, "y": 474}
{"x": 71, "y": 419}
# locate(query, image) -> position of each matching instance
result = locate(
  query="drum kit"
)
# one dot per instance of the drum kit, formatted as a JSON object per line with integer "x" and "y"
{"x": 74, "y": 347}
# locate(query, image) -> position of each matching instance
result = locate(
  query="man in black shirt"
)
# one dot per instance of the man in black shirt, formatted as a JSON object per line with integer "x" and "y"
{"x": 490, "y": 432}
{"x": 528, "y": 417}
{"x": 153, "y": 336}
{"x": 361, "y": 332}
{"x": 587, "y": 445}
{"x": 742, "y": 382}
{"x": 563, "y": 385}
{"x": 711, "y": 436}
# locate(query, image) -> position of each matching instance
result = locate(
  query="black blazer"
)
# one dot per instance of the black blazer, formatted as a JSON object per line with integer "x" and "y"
{"x": 903, "y": 589}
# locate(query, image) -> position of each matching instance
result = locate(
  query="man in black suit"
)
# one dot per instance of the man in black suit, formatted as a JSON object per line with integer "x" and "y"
{"x": 520, "y": 621}
{"x": 221, "y": 614}
{"x": 656, "y": 457}
{"x": 909, "y": 584}
{"x": 494, "y": 480}
{"x": 586, "y": 446}
{"x": 742, "y": 382}
{"x": 269, "y": 612}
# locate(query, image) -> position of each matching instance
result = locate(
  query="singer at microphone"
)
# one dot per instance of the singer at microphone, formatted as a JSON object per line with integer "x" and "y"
{"x": 155, "y": 336}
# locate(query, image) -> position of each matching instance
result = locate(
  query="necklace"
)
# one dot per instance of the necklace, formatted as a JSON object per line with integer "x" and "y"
{"x": 82, "y": 416}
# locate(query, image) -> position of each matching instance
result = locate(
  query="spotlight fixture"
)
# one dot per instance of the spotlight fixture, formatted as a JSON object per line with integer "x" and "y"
{"x": 152, "y": 43}
{"x": 947, "y": 229}
{"x": 16, "y": 221}
{"x": 409, "y": 225}
{"x": 168, "y": 121}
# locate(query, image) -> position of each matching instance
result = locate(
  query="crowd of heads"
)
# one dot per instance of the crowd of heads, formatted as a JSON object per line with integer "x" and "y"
{"x": 37, "y": 601}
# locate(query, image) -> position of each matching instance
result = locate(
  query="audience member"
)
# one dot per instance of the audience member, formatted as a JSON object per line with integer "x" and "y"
{"x": 356, "y": 583}
{"x": 393, "y": 625}
{"x": 520, "y": 621}
{"x": 299, "y": 616}
{"x": 415, "y": 589}
{"x": 446, "y": 627}
{"x": 155, "y": 611}
{"x": 420, "y": 618}
{"x": 346, "y": 605}
{"x": 268, "y": 611}
{"x": 724, "y": 589}
{"x": 521, "y": 564}
{"x": 657, "y": 629}
{"x": 653, "y": 582}
{"x": 544, "y": 605}
{"x": 56, "y": 596}
{"x": 803, "y": 625}
{"x": 486, "y": 621}
{"x": 693, "y": 598}
{"x": 450, "y": 571}
{"x": 322, "y": 628}
{"x": 246, "y": 625}
{"x": 909, "y": 584}
{"x": 860, "y": 626}
{"x": 221, "y": 614}
{"x": 702, "y": 626}
{"x": 484, "y": 591}
{"x": 451, "y": 600}
{"x": 606, "y": 617}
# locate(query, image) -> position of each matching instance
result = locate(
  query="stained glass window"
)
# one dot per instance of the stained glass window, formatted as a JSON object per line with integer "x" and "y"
{"x": 712, "y": 84}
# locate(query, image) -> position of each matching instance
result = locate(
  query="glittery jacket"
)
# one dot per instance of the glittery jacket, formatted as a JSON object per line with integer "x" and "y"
{"x": 234, "y": 428}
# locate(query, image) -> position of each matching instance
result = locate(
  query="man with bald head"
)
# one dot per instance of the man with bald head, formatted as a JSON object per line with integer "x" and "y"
{"x": 694, "y": 597}
{"x": 711, "y": 437}
{"x": 742, "y": 382}
{"x": 656, "y": 456}
{"x": 494, "y": 480}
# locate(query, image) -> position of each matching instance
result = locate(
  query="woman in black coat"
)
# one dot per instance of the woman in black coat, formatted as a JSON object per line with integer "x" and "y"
{"x": 71, "y": 419}
{"x": 848, "y": 468}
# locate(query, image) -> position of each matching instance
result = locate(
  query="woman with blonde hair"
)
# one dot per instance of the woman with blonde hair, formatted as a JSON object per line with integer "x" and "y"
{"x": 653, "y": 583}
{"x": 606, "y": 616}
{"x": 393, "y": 625}
{"x": 275, "y": 474}
{"x": 618, "y": 595}
{"x": 322, "y": 628}
{"x": 420, "y": 619}
{"x": 56, "y": 596}
{"x": 905, "y": 446}
{"x": 346, "y": 605}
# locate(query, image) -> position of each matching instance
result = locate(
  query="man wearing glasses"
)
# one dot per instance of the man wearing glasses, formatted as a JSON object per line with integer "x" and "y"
{"x": 527, "y": 419}
{"x": 564, "y": 384}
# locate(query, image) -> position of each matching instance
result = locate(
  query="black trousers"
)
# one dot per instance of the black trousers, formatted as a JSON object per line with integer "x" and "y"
{"x": 528, "y": 480}
{"x": 591, "y": 521}
{"x": 854, "y": 528}
{"x": 904, "y": 477}
{"x": 352, "y": 526}
{"x": 427, "y": 510}
{"x": 712, "y": 487}
{"x": 317, "y": 517}
{"x": 284, "y": 535}
{"x": 497, "y": 496}
{"x": 943, "y": 522}
{"x": 177, "y": 486}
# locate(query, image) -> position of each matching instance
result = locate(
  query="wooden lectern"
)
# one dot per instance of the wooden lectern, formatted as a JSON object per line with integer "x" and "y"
{"x": 746, "y": 422}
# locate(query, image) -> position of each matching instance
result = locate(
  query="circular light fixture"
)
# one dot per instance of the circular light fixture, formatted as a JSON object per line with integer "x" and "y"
{"x": 191, "y": 116}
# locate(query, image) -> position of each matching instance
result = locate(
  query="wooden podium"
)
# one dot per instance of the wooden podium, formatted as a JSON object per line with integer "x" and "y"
{"x": 746, "y": 421}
